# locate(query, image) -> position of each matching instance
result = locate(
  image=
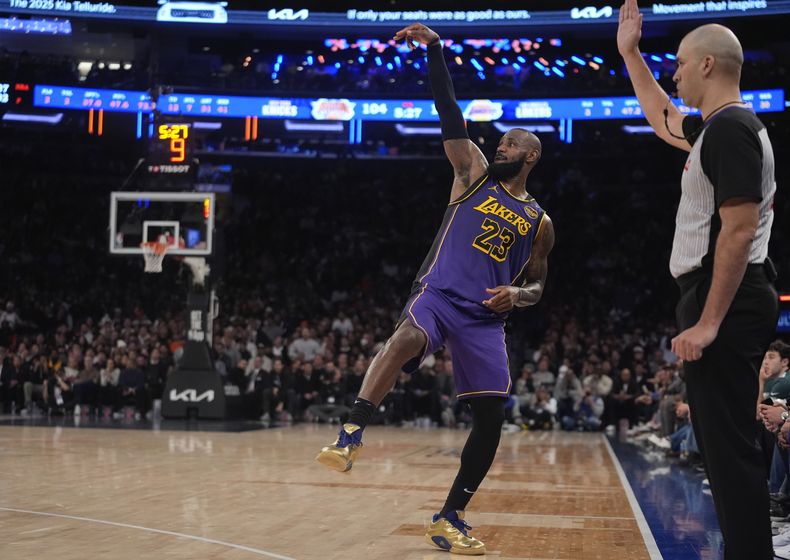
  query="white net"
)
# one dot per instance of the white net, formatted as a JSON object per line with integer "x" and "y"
{"x": 154, "y": 254}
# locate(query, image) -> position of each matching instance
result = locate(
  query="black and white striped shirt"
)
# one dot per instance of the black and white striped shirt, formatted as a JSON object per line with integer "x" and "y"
{"x": 731, "y": 157}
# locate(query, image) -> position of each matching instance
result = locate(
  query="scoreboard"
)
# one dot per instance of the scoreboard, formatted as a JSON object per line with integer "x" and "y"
{"x": 346, "y": 109}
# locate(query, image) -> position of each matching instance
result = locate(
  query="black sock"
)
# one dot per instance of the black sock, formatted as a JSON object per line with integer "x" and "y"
{"x": 488, "y": 414}
{"x": 361, "y": 413}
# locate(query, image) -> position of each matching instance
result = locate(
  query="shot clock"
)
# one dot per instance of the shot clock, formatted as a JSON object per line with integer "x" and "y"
{"x": 170, "y": 149}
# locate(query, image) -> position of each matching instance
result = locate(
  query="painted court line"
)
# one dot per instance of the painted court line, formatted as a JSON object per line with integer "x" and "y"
{"x": 647, "y": 536}
{"x": 151, "y": 530}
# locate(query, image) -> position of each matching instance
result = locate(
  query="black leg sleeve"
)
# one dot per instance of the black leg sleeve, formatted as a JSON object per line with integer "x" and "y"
{"x": 488, "y": 414}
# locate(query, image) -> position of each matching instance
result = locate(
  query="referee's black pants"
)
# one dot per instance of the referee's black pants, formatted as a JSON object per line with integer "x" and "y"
{"x": 722, "y": 392}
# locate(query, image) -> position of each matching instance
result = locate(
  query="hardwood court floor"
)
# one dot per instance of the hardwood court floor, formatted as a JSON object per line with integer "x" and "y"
{"x": 71, "y": 493}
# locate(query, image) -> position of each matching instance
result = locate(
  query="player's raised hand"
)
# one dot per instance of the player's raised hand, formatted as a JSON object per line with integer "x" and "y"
{"x": 629, "y": 31}
{"x": 416, "y": 32}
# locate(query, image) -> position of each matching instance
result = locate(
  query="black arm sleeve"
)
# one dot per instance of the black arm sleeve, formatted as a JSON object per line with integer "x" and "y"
{"x": 450, "y": 116}
{"x": 732, "y": 158}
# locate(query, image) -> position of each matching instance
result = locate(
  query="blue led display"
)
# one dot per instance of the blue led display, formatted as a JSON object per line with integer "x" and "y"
{"x": 212, "y": 105}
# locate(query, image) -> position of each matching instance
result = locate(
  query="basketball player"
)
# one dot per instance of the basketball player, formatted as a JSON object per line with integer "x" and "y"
{"x": 728, "y": 306}
{"x": 489, "y": 256}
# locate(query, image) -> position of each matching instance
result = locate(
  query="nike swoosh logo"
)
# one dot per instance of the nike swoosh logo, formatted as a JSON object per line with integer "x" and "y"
{"x": 468, "y": 491}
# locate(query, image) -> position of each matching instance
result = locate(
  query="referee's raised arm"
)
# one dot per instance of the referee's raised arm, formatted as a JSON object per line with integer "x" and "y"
{"x": 663, "y": 116}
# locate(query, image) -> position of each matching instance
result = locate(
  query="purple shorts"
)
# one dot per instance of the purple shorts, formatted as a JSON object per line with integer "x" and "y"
{"x": 474, "y": 336}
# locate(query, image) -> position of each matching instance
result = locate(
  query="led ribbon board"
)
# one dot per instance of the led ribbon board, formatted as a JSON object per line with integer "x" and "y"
{"x": 215, "y": 13}
{"x": 346, "y": 109}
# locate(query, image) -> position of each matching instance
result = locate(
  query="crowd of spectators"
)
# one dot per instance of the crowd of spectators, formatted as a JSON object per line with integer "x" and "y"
{"x": 314, "y": 262}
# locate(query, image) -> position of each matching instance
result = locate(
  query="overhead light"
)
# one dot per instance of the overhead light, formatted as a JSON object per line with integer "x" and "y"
{"x": 35, "y": 25}
{"x": 406, "y": 130}
{"x": 27, "y": 117}
{"x": 205, "y": 125}
{"x": 84, "y": 67}
{"x": 503, "y": 127}
{"x": 297, "y": 126}
{"x": 640, "y": 129}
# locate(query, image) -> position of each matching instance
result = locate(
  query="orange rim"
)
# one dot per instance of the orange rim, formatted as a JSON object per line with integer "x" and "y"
{"x": 154, "y": 247}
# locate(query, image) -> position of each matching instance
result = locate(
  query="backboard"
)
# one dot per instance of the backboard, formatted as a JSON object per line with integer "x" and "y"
{"x": 182, "y": 220}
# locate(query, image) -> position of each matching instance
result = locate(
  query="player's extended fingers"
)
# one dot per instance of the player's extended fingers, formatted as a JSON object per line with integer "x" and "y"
{"x": 410, "y": 41}
{"x": 408, "y": 34}
{"x": 400, "y": 34}
{"x": 403, "y": 31}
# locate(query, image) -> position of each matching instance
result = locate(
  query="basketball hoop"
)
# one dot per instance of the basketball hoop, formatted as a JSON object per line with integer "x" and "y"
{"x": 154, "y": 253}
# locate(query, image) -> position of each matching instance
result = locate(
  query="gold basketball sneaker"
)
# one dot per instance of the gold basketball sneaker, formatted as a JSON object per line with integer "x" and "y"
{"x": 340, "y": 455}
{"x": 451, "y": 533}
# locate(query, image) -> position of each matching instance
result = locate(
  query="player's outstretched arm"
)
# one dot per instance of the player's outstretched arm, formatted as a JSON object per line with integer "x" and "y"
{"x": 652, "y": 98}
{"x": 467, "y": 160}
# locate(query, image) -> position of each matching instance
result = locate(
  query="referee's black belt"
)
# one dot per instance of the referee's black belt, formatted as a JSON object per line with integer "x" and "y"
{"x": 753, "y": 270}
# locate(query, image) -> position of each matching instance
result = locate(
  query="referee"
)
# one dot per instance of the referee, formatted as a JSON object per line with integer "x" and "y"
{"x": 728, "y": 306}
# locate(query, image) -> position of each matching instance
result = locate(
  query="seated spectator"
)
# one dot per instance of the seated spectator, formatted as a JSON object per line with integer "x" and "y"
{"x": 10, "y": 389}
{"x": 85, "y": 386}
{"x": 673, "y": 393}
{"x": 541, "y": 415}
{"x": 306, "y": 389}
{"x": 57, "y": 389}
{"x": 270, "y": 386}
{"x": 331, "y": 409}
{"x": 543, "y": 376}
{"x": 421, "y": 391}
{"x": 131, "y": 385}
{"x": 156, "y": 375}
{"x": 109, "y": 396}
{"x": 353, "y": 377}
{"x": 598, "y": 383}
{"x": 33, "y": 386}
{"x": 305, "y": 347}
{"x": 445, "y": 392}
{"x": 622, "y": 399}
{"x": 568, "y": 393}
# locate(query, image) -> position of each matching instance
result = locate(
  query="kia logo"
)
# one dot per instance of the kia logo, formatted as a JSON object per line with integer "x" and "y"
{"x": 591, "y": 12}
{"x": 288, "y": 14}
{"x": 191, "y": 395}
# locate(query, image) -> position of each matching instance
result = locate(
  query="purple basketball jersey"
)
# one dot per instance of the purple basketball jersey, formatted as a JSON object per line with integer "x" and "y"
{"x": 485, "y": 241}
